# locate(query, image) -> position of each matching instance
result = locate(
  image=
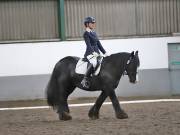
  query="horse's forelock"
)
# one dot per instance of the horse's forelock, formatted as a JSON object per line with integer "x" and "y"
{"x": 137, "y": 60}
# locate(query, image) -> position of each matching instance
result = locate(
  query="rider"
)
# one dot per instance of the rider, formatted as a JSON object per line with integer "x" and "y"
{"x": 93, "y": 46}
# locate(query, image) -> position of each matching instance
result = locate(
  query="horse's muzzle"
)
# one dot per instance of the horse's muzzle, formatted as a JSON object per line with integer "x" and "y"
{"x": 134, "y": 82}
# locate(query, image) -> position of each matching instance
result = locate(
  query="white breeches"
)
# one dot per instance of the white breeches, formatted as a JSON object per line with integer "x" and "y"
{"x": 92, "y": 59}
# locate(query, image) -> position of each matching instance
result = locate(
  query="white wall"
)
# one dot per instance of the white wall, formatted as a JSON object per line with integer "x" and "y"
{"x": 40, "y": 58}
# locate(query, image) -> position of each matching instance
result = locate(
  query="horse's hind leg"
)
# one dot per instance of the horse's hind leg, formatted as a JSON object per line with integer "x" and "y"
{"x": 120, "y": 114}
{"x": 63, "y": 109}
{"x": 94, "y": 111}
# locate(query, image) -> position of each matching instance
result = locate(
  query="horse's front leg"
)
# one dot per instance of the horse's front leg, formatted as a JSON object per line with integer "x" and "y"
{"x": 120, "y": 114}
{"x": 94, "y": 111}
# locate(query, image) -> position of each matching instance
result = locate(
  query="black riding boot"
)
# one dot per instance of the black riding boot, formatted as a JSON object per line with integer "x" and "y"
{"x": 85, "y": 82}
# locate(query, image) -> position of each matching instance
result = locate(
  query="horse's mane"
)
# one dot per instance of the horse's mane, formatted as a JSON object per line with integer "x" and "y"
{"x": 124, "y": 56}
{"x": 120, "y": 54}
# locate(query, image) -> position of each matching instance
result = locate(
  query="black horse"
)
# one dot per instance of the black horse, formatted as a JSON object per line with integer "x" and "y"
{"x": 64, "y": 80}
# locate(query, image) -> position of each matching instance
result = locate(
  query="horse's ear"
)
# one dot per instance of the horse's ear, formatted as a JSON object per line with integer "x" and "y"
{"x": 132, "y": 54}
{"x": 136, "y": 53}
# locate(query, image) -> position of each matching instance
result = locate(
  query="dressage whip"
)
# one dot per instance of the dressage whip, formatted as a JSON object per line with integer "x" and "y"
{"x": 84, "y": 61}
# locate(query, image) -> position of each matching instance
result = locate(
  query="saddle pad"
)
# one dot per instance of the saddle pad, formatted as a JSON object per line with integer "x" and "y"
{"x": 81, "y": 67}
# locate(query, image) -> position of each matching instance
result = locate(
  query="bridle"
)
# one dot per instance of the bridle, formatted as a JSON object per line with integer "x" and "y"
{"x": 127, "y": 64}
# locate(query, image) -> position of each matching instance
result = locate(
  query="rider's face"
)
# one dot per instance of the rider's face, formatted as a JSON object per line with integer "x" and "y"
{"x": 92, "y": 25}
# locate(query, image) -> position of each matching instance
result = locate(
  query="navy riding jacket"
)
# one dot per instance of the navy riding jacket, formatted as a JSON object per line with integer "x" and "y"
{"x": 92, "y": 43}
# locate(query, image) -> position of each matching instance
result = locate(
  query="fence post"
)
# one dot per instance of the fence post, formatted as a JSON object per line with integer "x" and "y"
{"x": 61, "y": 20}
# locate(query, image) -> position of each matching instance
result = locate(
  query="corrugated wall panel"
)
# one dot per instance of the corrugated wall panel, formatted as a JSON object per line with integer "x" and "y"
{"x": 175, "y": 16}
{"x": 123, "y": 17}
{"x": 114, "y": 17}
{"x": 178, "y": 14}
{"x": 157, "y": 16}
{"x": 28, "y": 20}
{"x": 165, "y": 23}
{"x": 168, "y": 16}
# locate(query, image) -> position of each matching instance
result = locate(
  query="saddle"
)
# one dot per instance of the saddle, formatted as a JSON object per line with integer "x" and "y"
{"x": 82, "y": 64}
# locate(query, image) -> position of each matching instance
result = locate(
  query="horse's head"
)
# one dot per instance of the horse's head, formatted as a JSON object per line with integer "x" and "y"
{"x": 132, "y": 67}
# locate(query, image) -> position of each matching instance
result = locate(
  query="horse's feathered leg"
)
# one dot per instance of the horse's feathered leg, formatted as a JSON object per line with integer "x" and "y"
{"x": 94, "y": 111}
{"x": 63, "y": 110}
{"x": 64, "y": 91}
{"x": 120, "y": 114}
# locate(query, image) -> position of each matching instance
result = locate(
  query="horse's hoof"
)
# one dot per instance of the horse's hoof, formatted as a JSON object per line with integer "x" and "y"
{"x": 93, "y": 116}
{"x": 122, "y": 115}
{"x": 65, "y": 116}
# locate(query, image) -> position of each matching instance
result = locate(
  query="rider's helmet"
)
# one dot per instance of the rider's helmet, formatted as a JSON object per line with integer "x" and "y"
{"x": 89, "y": 20}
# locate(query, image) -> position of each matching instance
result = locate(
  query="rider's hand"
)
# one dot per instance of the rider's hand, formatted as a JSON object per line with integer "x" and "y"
{"x": 106, "y": 54}
{"x": 95, "y": 54}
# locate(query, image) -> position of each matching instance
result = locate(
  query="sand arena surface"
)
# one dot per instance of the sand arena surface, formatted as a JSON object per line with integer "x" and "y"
{"x": 162, "y": 118}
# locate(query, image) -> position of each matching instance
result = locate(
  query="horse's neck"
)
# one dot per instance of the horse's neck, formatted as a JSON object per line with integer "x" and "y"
{"x": 118, "y": 62}
{"x": 120, "y": 58}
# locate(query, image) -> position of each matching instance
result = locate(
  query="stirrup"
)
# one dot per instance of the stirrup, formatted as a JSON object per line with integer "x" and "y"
{"x": 85, "y": 83}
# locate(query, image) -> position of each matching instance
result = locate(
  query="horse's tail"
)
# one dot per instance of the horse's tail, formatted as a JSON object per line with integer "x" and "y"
{"x": 52, "y": 90}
